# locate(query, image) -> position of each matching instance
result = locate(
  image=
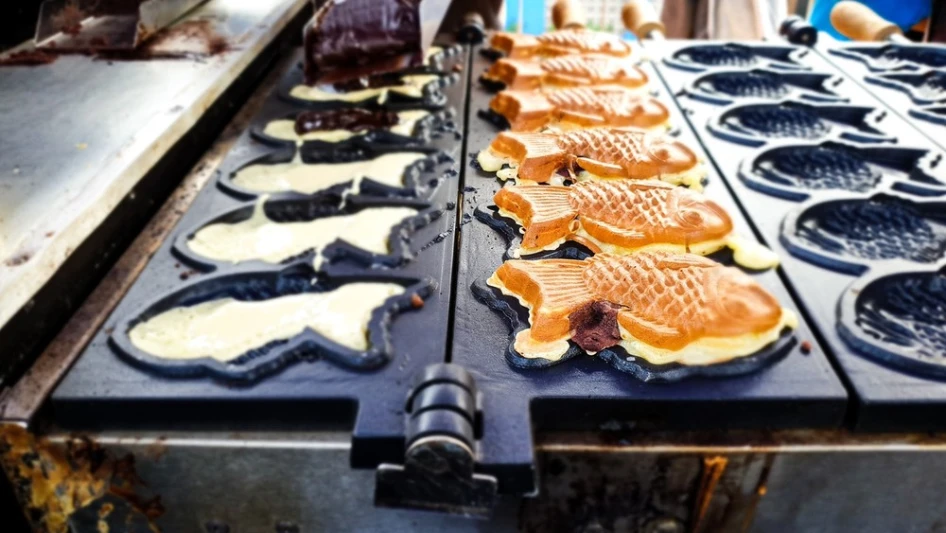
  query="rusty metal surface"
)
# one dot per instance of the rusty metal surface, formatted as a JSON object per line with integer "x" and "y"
{"x": 21, "y": 401}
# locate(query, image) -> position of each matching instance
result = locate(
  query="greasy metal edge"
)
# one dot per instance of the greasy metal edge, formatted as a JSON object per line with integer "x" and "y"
{"x": 22, "y": 401}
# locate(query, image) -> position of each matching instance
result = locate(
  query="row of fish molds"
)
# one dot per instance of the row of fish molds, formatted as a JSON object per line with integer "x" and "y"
{"x": 437, "y": 122}
{"x": 416, "y": 177}
{"x": 926, "y": 87}
{"x": 700, "y": 57}
{"x": 725, "y": 86}
{"x": 252, "y": 284}
{"x": 896, "y": 316}
{"x": 293, "y": 208}
{"x": 854, "y": 232}
{"x": 756, "y": 123}
{"x": 796, "y": 171}
{"x": 895, "y": 56}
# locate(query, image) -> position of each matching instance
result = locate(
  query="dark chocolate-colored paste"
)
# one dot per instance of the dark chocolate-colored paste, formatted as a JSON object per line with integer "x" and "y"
{"x": 353, "y": 119}
{"x": 595, "y": 326}
{"x": 346, "y": 34}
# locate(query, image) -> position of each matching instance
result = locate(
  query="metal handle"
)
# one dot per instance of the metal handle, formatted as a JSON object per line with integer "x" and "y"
{"x": 859, "y": 22}
{"x": 569, "y": 14}
{"x": 642, "y": 20}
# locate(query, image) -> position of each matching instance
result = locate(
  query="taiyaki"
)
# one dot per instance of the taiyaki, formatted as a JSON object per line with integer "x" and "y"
{"x": 561, "y": 42}
{"x": 660, "y": 306}
{"x": 566, "y": 71}
{"x": 623, "y": 217}
{"x": 580, "y": 107}
{"x": 594, "y": 153}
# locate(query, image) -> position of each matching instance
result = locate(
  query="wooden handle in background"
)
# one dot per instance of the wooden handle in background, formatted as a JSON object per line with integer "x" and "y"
{"x": 568, "y": 14}
{"x": 640, "y": 18}
{"x": 858, "y": 22}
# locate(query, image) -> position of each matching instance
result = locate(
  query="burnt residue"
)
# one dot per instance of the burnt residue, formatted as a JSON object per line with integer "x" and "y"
{"x": 352, "y": 119}
{"x": 192, "y": 39}
{"x": 28, "y": 58}
{"x": 595, "y": 326}
{"x": 57, "y": 483}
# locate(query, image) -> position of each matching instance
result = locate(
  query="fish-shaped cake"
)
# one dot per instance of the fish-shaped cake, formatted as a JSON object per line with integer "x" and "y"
{"x": 590, "y": 154}
{"x": 557, "y": 43}
{"x": 663, "y": 307}
{"x": 566, "y": 71}
{"x": 623, "y": 217}
{"x": 580, "y": 107}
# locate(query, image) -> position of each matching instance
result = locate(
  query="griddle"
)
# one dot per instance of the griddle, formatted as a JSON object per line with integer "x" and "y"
{"x": 792, "y": 390}
{"x": 842, "y": 212}
{"x": 112, "y": 385}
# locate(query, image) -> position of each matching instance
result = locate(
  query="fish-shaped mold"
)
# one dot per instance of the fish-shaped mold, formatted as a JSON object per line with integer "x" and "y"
{"x": 756, "y": 123}
{"x": 579, "y": 107}
{"x": 557, "y": 43}
{"x": 924, "y": 88}
{"x": 851, "y": 232}
{"x": 371, "y": 231}
{"x": 895, "y": 56}
{"x": 339, "y": 125}
{"x": 897, "y": 316}
{"x": 391, "y": 91}
{"x": 589, "y": 154}
{"x": 624, "y": 217}
{"x": 659, "y": 307}
{"x": 930, "y": 113}
{"x": 723, "y": 87}
{"x": 793, "y": 171}
{"x": 245, "y": 325}
{"x": 735, "y": 55}
{"x": 353, "y": 169}
{"x": 564, "y": 71}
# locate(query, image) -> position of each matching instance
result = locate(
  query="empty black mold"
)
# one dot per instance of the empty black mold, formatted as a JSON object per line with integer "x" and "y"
{"x": 723, "y": 87}
{"x": 930, "y": 113}
{"x": 755, "y": 124}
{"x": 792, "y": 171}
{"x": 736, "y": 55}
{"x": 897, "y": 316}
{"x": 895, "y": 56}
{"x": 924, "y": 88}
{"x": 852, "y": 232}
{"x": 256, "y": 285}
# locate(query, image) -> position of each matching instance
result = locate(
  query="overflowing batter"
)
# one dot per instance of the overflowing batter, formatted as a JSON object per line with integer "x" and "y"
{"x": 286, "y": 129}
{"x": 227, "y": 328}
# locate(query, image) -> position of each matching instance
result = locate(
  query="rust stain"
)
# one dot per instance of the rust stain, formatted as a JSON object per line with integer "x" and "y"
{"x": 713, "y": 469}
{"x": 760, "y": 491}
{"x": 53, "y": 482}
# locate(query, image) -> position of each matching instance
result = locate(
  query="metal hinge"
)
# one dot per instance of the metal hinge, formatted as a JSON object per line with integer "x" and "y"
{"x": 443, "y": 421}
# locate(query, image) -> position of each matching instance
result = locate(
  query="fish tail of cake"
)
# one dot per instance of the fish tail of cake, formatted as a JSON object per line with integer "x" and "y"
{"x": 544, "y": 212}
{"x": 539, "y": 154}
{"x": 525, "y": 110}
{"x": 553, "y": 289}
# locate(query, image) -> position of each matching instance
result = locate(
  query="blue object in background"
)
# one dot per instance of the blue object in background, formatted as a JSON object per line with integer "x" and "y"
{"x": 903, "y": 13}
{"x": 533, "y": 11}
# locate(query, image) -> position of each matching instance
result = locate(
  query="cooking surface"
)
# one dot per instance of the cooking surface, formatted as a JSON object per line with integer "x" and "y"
{"x": 80, "y": 132}
{"x": 887, "y": 398}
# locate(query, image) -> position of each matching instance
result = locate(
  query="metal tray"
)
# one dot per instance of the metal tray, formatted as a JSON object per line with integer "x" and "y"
{"x": 113, "y": 385}
{"x": 820, "y": 261}
{"x": 585, "y": 393}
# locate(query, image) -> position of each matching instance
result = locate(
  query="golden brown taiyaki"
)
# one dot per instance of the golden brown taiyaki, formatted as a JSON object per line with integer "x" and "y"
{"x": 663, "y": 307}
{"x": 623, "y": 217}
{"x": 561, "y": 42}
{"x": 580, "y": 107}
{"x": 594, "y": 153}
{"x": 566, "y": 71}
